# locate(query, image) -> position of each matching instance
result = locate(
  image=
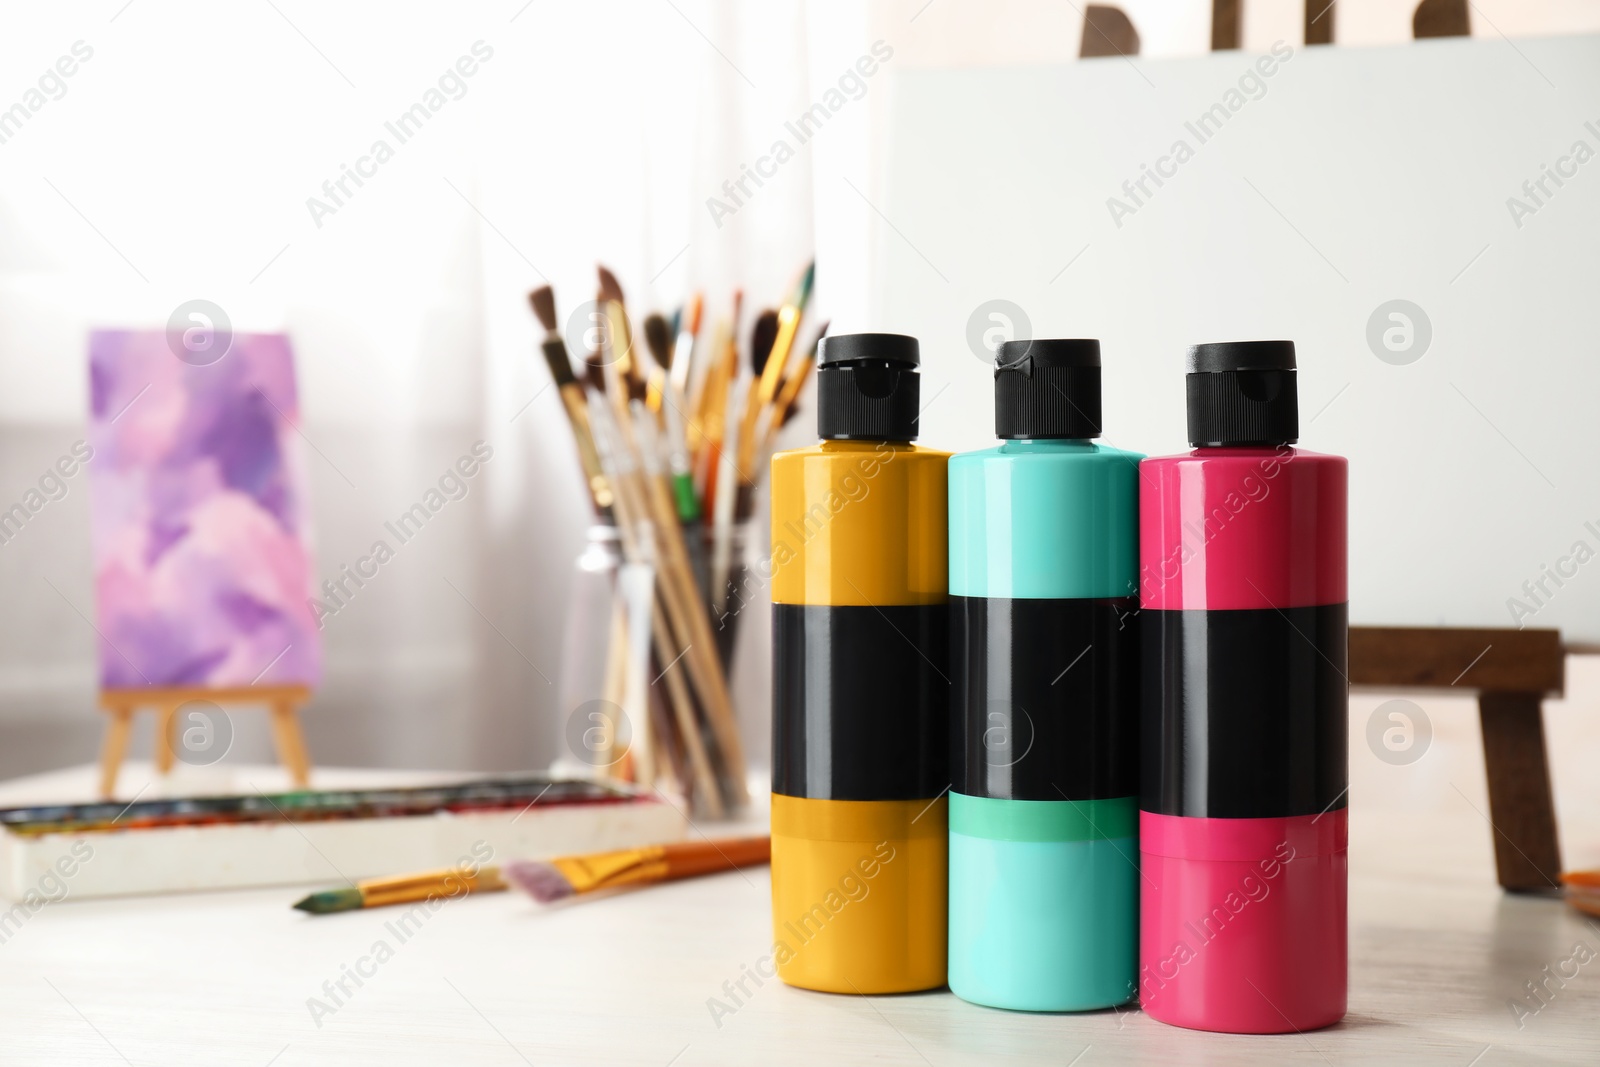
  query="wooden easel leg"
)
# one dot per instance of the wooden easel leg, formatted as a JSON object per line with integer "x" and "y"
{"x": 291, "y": 743}
{"x": 163, "y": 750}
{"x": 113, "y": 747}
{"x": 1526, "y": 850}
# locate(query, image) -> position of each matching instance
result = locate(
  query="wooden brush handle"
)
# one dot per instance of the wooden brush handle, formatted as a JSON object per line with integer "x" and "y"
{"x": 691, "y": 858}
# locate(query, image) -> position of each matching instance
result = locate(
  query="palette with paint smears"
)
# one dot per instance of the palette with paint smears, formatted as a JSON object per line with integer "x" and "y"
{"x": 261, "y": 839}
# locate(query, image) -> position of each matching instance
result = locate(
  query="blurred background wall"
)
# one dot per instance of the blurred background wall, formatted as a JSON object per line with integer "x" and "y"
{"x": 177, "y": 162}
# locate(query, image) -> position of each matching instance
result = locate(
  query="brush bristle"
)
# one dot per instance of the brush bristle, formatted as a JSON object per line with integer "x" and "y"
{"x": 658, "y": 335}
{"x": 541, "y": 881}
{"x": 609, "y": 287}
{"x": 697, "y": 308}
{"x": 331, "y": 900}
{"x": 762, "y": 338}
{"x": 543, "y": 300}
{"x": 803, "y": 293}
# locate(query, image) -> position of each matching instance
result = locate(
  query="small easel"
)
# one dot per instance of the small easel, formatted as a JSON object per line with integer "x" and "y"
{"x": 283, "y": 702}
{"x": 1512, "y": 672}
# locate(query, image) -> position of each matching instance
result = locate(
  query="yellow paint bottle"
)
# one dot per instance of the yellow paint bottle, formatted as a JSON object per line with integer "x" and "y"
{"x": 860, "y": 684}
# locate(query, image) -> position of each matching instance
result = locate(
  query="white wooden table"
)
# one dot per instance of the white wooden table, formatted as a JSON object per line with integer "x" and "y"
{"x": 1437, "y": 952}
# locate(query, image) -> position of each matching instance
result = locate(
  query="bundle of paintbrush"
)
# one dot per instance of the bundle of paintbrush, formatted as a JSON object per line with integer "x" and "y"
{"x": 671, "y": 438}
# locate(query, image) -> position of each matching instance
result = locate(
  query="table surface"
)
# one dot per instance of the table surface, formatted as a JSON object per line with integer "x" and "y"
{"x": 1437, "y": 955}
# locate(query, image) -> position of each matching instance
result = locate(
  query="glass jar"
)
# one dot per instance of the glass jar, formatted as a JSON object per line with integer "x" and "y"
{"x": 594, "y": 732}
{"x": 731, "y": 586}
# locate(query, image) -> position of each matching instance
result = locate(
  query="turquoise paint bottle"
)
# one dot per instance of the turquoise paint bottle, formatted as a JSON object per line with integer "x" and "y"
{"x": 1044, "y": 552}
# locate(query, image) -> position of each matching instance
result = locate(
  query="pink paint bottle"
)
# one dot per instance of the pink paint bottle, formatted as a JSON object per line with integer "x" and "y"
{"x": 1243, "y": 620}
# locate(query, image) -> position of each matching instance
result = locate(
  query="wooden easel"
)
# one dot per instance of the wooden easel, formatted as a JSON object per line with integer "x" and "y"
{"x": 1512, "y": 672}
{"x": 283, "y": 702}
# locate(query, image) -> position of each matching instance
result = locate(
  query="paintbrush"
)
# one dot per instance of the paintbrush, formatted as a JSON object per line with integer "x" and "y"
{"x": 638, "y": 546}
{"x": 727, "y": 475}
{"x": 781, "y": 411}
{"x": 698, "y": 385}
{"x": 773, "y": 369}
{"x": 657, "y": 342}
{"x": 645, "y": 497}
{"x": 724, "y": 375}
{"x": 675, "y": 453}
{"x": 789, "y": 392}
{"x": 548, "y": 881}
{"x": 734, "y": 498}
{"x": 724, "y": 506}
{"x": 674, "y": 448}
{"x": 627, "y": 361}
{"x": 404, "y": 889}
{"x": 784, "y": 409}
{"x": 685, "y": 610}
{"x": 682, "y": 369}
{"x": 762, "y": 336}
{"x": 543, "y": 300}
{"x": 610, "y": 288}
{"x": 701, "y": 428}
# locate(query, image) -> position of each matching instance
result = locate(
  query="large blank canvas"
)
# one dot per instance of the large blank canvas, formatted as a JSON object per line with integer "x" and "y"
{"x": 1359, "y": 176}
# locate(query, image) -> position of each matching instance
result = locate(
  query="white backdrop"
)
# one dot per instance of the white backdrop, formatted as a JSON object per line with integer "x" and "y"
{"x": 176, "y": 162}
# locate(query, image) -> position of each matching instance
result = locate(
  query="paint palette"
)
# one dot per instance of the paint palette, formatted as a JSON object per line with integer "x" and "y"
{"x": 232, "y": 842}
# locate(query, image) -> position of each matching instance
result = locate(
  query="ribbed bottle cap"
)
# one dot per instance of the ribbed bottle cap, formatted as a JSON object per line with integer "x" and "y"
{"x": 1242, "y": 393}
{"x": 1047, "y": 389}
{"x": 868, "y": 388}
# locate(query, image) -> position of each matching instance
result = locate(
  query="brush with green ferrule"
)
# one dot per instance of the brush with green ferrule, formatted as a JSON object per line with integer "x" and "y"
{"x": 331, "y": 900}
{"x": 675, "y": 447}
{"x": 448, "y": 883}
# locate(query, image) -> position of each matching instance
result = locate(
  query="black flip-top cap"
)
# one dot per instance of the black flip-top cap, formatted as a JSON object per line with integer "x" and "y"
{"x": 853, "y": 347}
{"x": 1047, "y": 388}
{"x": 868, "y": 388}
{"x": 1242, "y": 393}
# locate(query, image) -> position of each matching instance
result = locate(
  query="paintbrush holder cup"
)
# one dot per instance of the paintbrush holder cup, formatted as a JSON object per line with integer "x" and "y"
{"x": 594, "y": 730}
{"x": 739, "y": 587}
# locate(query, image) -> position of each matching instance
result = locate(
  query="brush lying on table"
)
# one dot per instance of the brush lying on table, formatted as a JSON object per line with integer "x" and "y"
{"x": 403, "y": 889}
{"x": 548, "y": 881}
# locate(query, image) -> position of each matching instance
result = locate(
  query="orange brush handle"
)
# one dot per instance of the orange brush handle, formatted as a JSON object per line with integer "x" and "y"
{"x": 691, "y": 858}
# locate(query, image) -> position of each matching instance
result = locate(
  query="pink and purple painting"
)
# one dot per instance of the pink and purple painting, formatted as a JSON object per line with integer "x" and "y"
{"x": 202, "y": 560}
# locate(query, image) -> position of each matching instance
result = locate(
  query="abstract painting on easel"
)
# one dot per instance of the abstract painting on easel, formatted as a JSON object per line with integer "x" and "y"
{"x": 202, "y": 560}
